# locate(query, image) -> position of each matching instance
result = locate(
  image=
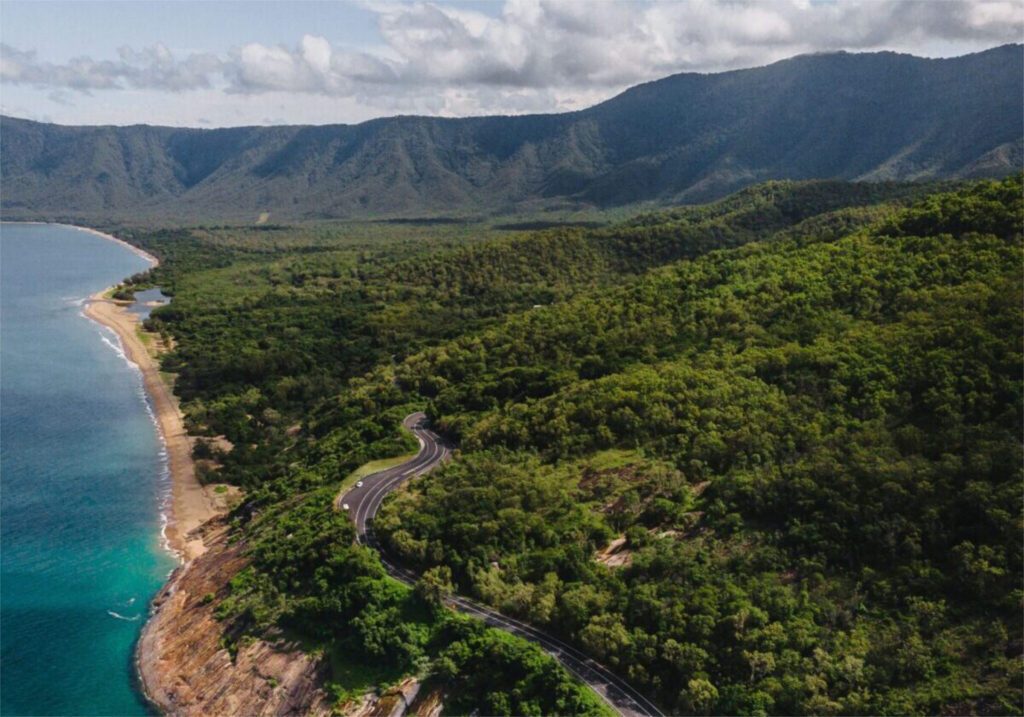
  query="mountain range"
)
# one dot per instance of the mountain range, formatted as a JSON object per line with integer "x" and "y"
{"x": 685, "y": 138}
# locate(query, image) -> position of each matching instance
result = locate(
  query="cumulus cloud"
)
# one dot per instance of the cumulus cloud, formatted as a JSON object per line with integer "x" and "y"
{"x": 536, "y": 54}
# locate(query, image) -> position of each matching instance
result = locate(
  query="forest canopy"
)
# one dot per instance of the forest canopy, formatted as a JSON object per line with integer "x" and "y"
{"x": 759, "y": 457}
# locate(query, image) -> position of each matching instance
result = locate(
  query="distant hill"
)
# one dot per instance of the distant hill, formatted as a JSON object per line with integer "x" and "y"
{"x": 689, "y": 137}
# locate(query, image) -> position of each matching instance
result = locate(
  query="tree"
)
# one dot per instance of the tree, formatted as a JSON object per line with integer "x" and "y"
{"x": 434, "y": 586}
{"x": 699, "y": 696}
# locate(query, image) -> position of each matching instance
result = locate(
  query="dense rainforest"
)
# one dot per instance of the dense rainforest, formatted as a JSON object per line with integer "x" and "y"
{"x": 761, "y": 456}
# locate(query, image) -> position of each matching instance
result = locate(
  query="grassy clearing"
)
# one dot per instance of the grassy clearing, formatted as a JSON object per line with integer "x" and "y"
{"x": 380, "y": 464}
{"x": 371, "y": 468}
{"x": 145, "y": 337}
{"x": 613, "y": 458}
{"x": 168, "y": 378}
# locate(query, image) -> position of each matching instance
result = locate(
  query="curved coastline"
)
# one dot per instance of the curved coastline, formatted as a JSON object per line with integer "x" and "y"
{"x": 190, "y": 504}
{"x": 153, "y": 261}
{"x": 185, "y": 504}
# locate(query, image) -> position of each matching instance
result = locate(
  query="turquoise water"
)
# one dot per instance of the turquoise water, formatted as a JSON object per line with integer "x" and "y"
{"x": 82, "y": 483}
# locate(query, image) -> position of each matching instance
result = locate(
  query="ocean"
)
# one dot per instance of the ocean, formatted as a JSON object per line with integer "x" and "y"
{"x": 83, "y": 482}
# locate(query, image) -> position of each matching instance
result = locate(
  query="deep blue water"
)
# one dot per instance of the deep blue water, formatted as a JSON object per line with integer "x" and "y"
{"x": 82, "y": 482}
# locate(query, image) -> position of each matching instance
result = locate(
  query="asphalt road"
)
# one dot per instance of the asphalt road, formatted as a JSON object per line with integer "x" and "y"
{"x": 364, "y": 502}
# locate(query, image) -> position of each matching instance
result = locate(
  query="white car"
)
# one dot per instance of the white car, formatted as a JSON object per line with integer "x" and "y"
{"x": 359, "y": 484}
{"x": 344, "y": 506}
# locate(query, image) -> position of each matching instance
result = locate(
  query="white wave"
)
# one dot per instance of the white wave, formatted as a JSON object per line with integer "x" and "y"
{"x": 166, "y": 488}
{"x": 119, "y": 350}
{"x": 165, "y": 468}
{"x": 119, "y": 616}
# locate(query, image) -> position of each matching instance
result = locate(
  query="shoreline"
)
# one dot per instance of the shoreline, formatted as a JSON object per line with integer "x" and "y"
{"x": 153, "y": 261}
{"x": 190, "y": 503}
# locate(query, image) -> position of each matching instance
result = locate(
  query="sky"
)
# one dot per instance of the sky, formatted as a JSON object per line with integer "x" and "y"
{"x": 216, "y": 64}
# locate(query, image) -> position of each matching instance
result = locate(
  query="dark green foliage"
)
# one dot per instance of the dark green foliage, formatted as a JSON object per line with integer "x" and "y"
{"x": 306, "y": 576}
{"x": 268, "y": 323}
{"x": 789, "y": 424}
{"x": 845, "y": 419}
{"x": 520, "y": 509}
{"x": 685, "y": 138}
{"x": 493, "y": 673}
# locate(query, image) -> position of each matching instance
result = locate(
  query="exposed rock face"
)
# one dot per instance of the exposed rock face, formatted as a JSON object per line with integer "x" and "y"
{"x": 186, "y": 671}
{"x": 616, "y": 554}
{"x": 409, "y": 698}
{"x": 428, "y": 703}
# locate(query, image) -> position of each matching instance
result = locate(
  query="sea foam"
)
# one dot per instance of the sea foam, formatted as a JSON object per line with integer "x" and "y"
{"x": 119, "y": 616}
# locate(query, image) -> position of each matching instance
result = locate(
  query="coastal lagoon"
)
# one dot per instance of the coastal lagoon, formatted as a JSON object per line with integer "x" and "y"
{"x": 82, "y": 482}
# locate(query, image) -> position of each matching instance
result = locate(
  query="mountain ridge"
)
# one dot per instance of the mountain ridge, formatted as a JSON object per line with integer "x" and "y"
{"x": 684, "y": 138}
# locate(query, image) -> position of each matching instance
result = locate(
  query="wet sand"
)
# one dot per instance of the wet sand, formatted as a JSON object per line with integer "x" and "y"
{"x": 191, "y": 503}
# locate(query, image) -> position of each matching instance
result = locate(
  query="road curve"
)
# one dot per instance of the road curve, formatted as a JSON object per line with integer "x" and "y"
{"x": 363, "y": 503}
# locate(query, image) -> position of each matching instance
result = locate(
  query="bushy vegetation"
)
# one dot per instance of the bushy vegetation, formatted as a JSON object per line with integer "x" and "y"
{"x": 796, "y": 412}
{"x": 838, "y": 527}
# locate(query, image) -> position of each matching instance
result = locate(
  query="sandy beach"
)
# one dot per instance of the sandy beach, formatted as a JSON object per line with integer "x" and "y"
{"x": 192, "y": 504}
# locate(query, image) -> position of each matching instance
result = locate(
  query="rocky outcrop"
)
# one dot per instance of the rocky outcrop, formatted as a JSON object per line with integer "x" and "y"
{"x": 410, "y": 698}
{"x": 429, "y": 703}
{"x": 186, "y": 671}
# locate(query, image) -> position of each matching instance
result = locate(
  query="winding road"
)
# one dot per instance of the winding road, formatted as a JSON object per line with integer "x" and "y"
{"x": 364, "y": 501}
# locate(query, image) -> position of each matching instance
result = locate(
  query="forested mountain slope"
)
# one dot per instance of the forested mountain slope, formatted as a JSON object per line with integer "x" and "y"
{"x": 812, "y": 449}
{"x": 299, "y": 323}
{"x": 780, "y": 477}
{"x": 688, "y": 137}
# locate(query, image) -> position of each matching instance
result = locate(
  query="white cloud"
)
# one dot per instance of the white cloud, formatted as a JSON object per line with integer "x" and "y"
{"x": 537, "y": 55}
{"x": 579, "y": 46}
{"x": 150, "y": 68}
